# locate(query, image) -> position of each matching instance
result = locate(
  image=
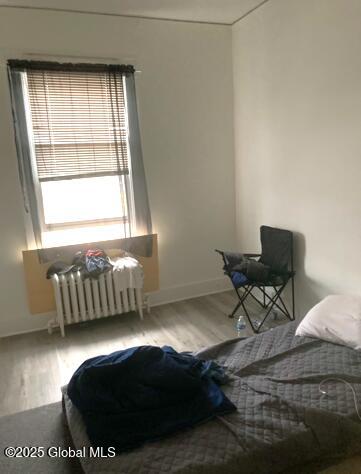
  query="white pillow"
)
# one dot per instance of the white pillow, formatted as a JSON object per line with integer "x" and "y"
{"x": 337, "y": 318}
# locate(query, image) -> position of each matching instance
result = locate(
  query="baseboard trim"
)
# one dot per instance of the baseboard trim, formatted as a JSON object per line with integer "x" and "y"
{"x": 164, "y": 296}
{"x": 26, "y": 331}
{"x": 191, "y": 290}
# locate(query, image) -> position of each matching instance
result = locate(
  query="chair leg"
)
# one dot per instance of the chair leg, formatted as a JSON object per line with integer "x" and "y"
{"x": 293, "y": 296}
{"x": 264, "y": 297}
{"x": 285, "y": 310}
{"x": 273, "y": 301}
{"x": 235, "y": 310}
{"x": 254, "y": 329}
{"x": 241, "y": 298}
{"x": 264, "y": 319}
{"x": 258, "y": 301}
{"x": 278, "y": 297}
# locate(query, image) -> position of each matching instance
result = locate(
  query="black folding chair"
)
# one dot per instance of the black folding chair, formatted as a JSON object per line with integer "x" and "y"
{"x": 277, "y": 259}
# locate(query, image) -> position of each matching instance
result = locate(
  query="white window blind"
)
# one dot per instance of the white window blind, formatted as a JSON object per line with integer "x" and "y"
{"x": 79, "y": 123}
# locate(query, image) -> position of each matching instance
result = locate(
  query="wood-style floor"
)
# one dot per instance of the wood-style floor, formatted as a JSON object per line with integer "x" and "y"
{"x": 35, "y": 365}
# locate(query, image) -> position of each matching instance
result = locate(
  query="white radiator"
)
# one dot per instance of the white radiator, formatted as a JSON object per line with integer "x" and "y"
{"x": 115, "y": 292}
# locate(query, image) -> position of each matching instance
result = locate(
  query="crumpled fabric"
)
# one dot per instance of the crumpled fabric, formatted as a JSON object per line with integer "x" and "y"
{"x": 59, "y": 268}
{"x": 248, "y": 269}
{"x": 92, "y": 263}
{"x": 145, "y": 393}
{"x": 130, "y": 272}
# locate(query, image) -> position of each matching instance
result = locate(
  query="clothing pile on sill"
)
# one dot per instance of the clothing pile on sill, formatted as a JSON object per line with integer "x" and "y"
{"x": 145, "y": 393}
{"x": 92, "y": 263}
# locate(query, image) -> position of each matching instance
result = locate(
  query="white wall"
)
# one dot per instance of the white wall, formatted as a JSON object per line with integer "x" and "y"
{"x": 297, "y": 85}
{"x": 185, "y": 100}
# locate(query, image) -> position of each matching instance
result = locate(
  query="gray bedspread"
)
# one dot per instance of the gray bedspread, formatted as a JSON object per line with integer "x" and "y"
{"x": 282, "y": 421}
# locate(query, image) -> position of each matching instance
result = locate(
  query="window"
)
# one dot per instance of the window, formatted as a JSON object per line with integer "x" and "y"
{"x": 78, "y": 134}
{"x": 79, "y": 152}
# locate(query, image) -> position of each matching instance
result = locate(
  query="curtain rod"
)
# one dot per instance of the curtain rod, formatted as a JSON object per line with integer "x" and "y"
{"x": 68, "y": 58}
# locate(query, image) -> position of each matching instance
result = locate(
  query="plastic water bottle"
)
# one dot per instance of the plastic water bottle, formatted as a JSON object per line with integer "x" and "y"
{"x": 241, "y": 324}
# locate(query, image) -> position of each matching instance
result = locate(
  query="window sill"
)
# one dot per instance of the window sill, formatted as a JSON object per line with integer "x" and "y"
{"x": 60, "y": 238}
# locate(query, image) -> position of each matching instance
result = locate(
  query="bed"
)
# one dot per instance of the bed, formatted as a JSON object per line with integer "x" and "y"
{"x": 282, "y": 423}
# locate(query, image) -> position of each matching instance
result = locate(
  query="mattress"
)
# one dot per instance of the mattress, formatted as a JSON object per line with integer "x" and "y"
{"x": 282, "y": 420}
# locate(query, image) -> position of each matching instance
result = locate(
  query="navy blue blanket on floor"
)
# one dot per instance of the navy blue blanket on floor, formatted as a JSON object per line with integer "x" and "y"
{"x": 145, "y": 393}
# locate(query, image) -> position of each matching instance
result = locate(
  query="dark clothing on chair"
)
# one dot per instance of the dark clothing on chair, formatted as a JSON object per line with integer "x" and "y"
{"x": 253, "y": 270}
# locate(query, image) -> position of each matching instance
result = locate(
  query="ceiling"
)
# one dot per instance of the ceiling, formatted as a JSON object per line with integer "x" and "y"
{"x": 208, "y": 11}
